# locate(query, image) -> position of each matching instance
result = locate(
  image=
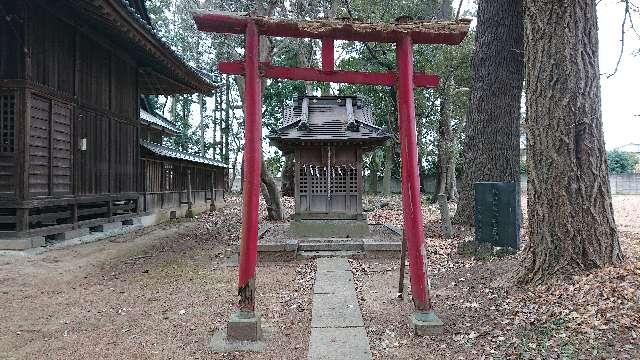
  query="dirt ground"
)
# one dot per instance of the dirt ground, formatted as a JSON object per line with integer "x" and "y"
{"x": 160, "y": 293}
{"x": 488, "y": 316}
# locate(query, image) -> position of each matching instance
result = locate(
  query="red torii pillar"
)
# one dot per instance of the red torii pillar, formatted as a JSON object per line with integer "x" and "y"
{"x": 404, "y": 35}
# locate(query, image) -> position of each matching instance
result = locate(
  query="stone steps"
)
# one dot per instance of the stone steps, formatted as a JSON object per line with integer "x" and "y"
{"x": 330, "y": 254}
{"x": 331, "y": 245}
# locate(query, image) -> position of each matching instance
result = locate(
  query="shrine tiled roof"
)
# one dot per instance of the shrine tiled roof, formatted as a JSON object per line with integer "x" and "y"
{"x": 158, "y": 121}
{"x": 165, "y": 151}
{"x": 332, "y": 119}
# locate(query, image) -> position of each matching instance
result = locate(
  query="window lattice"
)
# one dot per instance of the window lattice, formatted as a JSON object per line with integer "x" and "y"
{"x": 318, "y": 181}
{"x": 7, "y": 123}
{"x": 313, "y": 179}
{"x": 304, "y": 180}
{"x": 169, "y": 178}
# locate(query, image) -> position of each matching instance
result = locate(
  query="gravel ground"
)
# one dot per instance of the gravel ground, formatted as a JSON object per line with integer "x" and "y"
{"x": 157, "y": 294}
{"x": 487, "y": 316}
{"x": 160, "y": 293}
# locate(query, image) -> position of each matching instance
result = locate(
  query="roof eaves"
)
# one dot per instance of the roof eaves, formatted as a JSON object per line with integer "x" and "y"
{"x": 181, "y": 155}
{"x": 206, "y": 80}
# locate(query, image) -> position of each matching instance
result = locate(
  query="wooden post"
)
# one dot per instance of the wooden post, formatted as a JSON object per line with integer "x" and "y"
{"x": 412, "y": 210}
{"x": 22, "y": 221}
{"x": 212, "y": 206}
{"x": 189, "y": 213}
{"x": 252, "y": 168}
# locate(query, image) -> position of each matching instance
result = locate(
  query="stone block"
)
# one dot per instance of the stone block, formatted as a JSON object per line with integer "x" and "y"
{"x": 425, "y": 323}
{"x": 377, "y": 245}
{"x": 244, "y": 327}
{"x": 339, "y": 343}
{"x": 330, "y": 245}
{"x": 107, "y": 227}
{"x": 22, "y": 243}
{"x": 335, "y": 310}
{"x": 272, "y": 247}
{"x": 331, "y": 265}
{"x": 132, "y": 221}
{"x": 292, "y": 245}
{"x": 330, "y": 228}
{"x": 72, "y": 234}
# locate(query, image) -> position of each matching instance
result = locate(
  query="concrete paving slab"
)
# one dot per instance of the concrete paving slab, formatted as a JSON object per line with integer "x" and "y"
{"x": 335, "y": 310}
{"x": 339, "y": 343}
{"x": 338, "y": 282}
{"x": 332, "y": 264}
{"x": 337, "y": 328}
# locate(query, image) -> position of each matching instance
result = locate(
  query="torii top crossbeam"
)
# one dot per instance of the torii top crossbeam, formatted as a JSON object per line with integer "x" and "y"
{"x": 404, "y": 34}
{"x": 420, "y": 32}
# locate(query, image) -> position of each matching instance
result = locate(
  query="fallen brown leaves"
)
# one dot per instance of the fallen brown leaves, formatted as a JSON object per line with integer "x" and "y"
{"x": 488, "y": 315}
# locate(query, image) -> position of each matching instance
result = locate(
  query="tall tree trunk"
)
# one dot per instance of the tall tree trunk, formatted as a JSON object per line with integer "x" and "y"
{"x": 444, "y": 141}
{"x": 227, "y": 121}
{"x": 202, "y": 105}
{"x": 491, "y": 145}
{"x": 389, "y": 150}
{"x": 571, "y": 224}
{"x": 288, "y": 176}
{"x": 271, "y": 194}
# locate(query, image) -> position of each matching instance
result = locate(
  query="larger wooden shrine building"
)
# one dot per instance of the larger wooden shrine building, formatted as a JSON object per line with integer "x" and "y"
{"x": 71, "y": 77}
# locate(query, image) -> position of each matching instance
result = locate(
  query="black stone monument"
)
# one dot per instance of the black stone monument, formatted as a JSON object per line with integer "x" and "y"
{"x": 497, "y": 214}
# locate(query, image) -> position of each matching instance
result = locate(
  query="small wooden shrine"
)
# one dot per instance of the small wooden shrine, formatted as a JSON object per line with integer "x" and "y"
{"x": 328, "y": 136}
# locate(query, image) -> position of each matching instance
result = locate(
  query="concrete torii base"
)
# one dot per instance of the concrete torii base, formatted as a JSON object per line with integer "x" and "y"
{"x": 243, "y": 333}
{"x": 425, "y": 323}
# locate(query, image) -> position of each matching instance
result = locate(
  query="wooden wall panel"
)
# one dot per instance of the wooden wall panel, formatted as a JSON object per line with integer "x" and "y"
{"x": 39, "y": 138}
{"x": 125, "y": 149}
{"x": 8, "y": 116}
{"x": 94, "y": 81}
{"x": 11, "y": 35}
{"x": 52, "y": 49}
{"x": 92, "y": 164}
{"x": 125, "y": 98}
{"x": 61, "y": 149}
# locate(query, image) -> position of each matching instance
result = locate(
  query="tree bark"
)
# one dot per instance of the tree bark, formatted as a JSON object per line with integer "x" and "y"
{"x": 288, "y": 176}
{"x": 491, "y": 144}
{"x": 571, "y": 224}
{"x": 389, "y": 150}
{"x": 271, "y": 194}
{"x": 444, "y": 141}
{"x": 202, "y": 105}
{"x": 227, "y": 122}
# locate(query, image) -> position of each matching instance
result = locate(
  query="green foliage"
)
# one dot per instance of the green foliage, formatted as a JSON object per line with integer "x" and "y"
{"x": 621, "y": 162}
{"x": 275, "y": 163}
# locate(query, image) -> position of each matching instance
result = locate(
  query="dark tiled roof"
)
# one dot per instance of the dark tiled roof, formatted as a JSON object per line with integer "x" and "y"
{"x": 159, "y": 121}
{"x": 177, "y": 154}
{"x": 328, "y": 122}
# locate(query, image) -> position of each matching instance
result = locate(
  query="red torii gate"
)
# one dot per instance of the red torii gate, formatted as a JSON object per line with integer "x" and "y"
{"x": 404, "y": 34}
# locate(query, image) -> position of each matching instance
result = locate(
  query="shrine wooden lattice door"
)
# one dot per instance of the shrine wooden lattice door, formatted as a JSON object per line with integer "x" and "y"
{"x": 329, "y": 183}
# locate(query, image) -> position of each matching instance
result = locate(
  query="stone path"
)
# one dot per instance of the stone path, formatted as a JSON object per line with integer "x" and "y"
{"x": 337, "y": 328}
